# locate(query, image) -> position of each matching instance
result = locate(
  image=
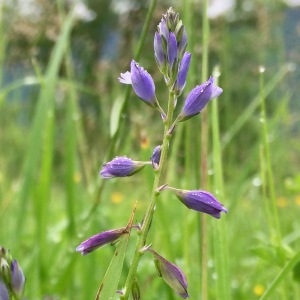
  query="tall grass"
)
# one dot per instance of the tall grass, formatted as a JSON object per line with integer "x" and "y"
{"x": 51, "y": 196}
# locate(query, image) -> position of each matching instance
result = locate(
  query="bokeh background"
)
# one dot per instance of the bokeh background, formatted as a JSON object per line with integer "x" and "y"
{"x": 63, "y": 113}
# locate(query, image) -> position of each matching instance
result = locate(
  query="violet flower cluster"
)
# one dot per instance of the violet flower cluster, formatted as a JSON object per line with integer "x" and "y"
{"x": 170, "y": 43}
{"x": 12, "y": 279}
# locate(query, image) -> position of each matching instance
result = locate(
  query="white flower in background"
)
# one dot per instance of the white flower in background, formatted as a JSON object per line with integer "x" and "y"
{"x": 218, "y": 8}
{"x": 83, "y": 12}
{"x": 292, "y": 2}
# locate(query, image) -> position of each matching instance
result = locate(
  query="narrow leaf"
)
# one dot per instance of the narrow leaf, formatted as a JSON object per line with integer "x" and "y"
{"x": 108, "y": 287}
{"x": 115, "y": 116}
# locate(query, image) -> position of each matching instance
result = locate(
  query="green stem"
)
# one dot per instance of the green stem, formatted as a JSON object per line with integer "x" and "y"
{"x": 268, "y": 183}
{"x": 204, "y": 151}
{"x": 150, "y": 211}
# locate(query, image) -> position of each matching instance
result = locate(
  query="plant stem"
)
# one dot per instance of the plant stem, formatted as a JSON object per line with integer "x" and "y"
{"x": 267, "y": 176}
{"x": 204, "y": 151}
{"x": 150, "y": 210}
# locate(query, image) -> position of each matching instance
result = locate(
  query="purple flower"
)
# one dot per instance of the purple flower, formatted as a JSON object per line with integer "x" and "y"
{"x": 121, "y": 167}
{"x": 163, "y": 29}
{"x": 159, "y": 52}
{"x": 201, "y": 201}
{"x": 182, "y": 73}
{"x": 182, "y": 42}
{"x": 141, "y": 82}
{"x": 18, "y": 278}
{"x": 172, "y": 48}
{"x": 3, "y": 291}
{"x": 171, "y": 274}
{"x": 155, "y": 158}
{"x": 198, "y": 98}
{"x": 100, "y": 239}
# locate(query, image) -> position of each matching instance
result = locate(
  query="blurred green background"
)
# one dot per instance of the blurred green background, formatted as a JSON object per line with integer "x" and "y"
{"x": 63, "y": 113}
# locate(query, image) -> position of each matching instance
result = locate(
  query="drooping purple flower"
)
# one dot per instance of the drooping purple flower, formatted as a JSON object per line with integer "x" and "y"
{"x": 3, "y": 291}
{"x": 172, "y": 48}
{"x": 155, "y": 158}
{"x": 141, "y": 82}
{"x": 182, "y": 73}
{"x": 17, "y": 278}
{"x": 100, "y": 239}
{"x": 171, "y": 274}
{"x": 121, "y": 167}
{"x": 201, "y": 201}
{"x": 198, "y": 98}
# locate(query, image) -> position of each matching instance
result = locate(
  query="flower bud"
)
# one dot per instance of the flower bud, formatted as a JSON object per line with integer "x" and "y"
{"x": 121, "y": 167}
{"x": 159, "y": 52}
{"x": 3, "y": 291}
{"x": 171, "y": 274}
{"x": 17, "y": 279}
{"x": 100, "y": 239}
{"x": 198, "y": 98}
{"x": 201, "y": 201}
{"x": 155, "y": 158}
{"x": 135, "y": 290}
{"x": 182, "y": 73}
{"x": 141, "y": 82}
{"x": 172, "y": 49}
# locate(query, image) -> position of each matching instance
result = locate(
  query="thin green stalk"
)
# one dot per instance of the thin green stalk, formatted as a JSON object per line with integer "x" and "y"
{"x": 273, "y": 223}
{"x": 150, "y": 210}
{"x": 204, "y": 151}
{"x": 220, "y": 230}
{"x": 250, "y": 109}
{"x": 281, "y": 275}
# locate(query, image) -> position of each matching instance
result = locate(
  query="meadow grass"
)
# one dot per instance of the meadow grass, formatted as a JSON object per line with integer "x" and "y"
{"x": 52, "y": 197}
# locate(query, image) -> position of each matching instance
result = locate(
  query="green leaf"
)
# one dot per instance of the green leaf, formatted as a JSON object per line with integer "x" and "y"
{"x": 108, "y": 287}
{"x": 115, "y": 115}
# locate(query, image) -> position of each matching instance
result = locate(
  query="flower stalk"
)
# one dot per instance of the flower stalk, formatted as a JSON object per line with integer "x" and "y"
{"x": 154, "y": 194}
{"x": 170, "y": 43}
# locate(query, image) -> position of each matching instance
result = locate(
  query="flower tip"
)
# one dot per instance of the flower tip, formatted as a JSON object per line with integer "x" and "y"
{"x": 80, "y": 248}
{"x": 125, "y": 77}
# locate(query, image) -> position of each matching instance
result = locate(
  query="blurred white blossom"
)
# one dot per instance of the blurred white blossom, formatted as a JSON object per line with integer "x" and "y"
{"x": 217, "y": 8}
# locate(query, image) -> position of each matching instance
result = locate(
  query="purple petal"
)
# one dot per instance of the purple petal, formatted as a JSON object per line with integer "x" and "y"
{"x": 182, "y": 43}
{"x": 125, "y": 78}
{"x": 100, "y": 239}
{"x": 142, "y": 83}
{"x": 18, "y": 278}
{"x": 163, "y": 29}
{"x": 182, "y": 73}
{"x": 3, "y": 291}
{"x": 155, "y": 158}
{"x": 172, "y": 48}
{"x": 158, "y": 50}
